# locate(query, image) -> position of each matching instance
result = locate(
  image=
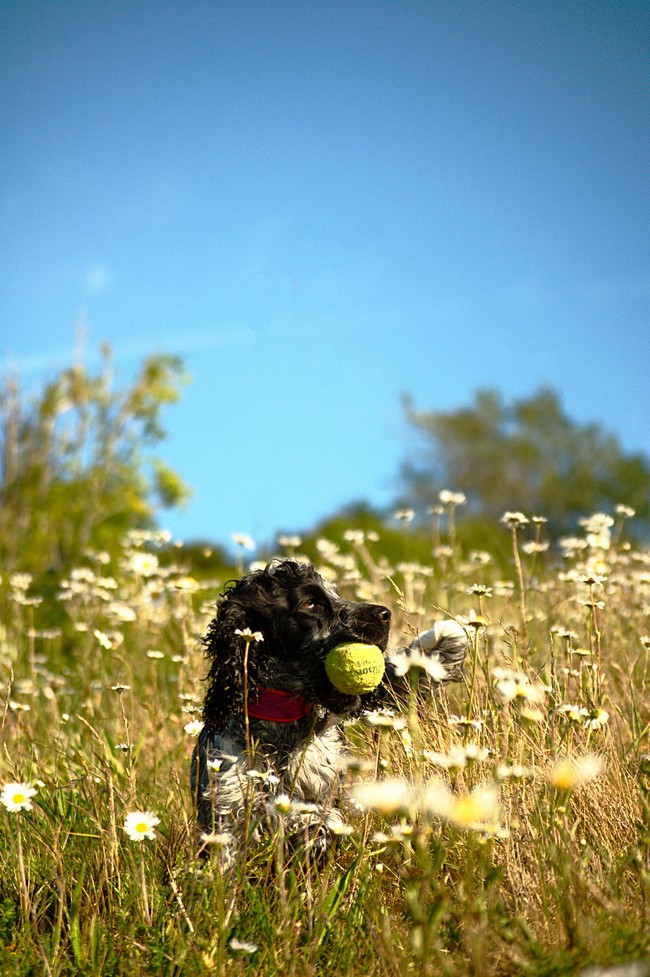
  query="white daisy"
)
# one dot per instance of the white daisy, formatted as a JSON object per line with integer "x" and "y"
{"x": 140, "y": 824}
{"x": 17, "y": 797}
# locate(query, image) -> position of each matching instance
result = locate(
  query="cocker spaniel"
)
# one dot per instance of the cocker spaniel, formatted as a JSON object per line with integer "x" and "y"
{"x": 272, "y": 744}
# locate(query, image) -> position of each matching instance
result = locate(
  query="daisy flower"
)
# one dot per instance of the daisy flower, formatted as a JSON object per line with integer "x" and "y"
{"x": 573, "y": 772}
{"x": 387, "y": 796}
{"x": 478, "y": 811}
{"x": 140, "y": 824}
{"x": 17, "y": 797}
{"x": 243, "y": 946}
{"x": 194, "y": 727}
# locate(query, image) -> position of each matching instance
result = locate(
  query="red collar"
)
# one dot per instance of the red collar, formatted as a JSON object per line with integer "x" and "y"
{"x": 278, "y": 707}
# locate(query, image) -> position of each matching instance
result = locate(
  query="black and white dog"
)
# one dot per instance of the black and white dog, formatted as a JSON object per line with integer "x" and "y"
{"x": 272, "y": 738}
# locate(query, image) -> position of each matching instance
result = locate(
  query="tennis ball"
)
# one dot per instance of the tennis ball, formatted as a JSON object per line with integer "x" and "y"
{"x": 355, "y": 668}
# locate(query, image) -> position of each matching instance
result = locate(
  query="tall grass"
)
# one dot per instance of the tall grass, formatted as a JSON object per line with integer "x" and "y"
{"x": 503, "y": 825}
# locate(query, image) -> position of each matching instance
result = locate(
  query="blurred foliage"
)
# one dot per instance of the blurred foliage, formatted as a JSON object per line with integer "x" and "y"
{"x": 527, "y": 454}
{"x": 75, "y": 472}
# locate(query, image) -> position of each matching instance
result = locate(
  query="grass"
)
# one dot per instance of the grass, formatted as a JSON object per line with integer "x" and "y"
{"x": 492, "y": 855}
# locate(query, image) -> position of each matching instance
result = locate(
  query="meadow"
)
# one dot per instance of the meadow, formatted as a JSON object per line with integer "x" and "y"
{"x": 499, "y": 827}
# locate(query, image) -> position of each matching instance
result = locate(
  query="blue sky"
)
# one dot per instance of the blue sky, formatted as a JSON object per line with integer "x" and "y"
{"x": 323, "y": 206}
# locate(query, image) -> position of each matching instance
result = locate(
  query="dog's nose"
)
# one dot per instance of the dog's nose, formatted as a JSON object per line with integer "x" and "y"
{"x": 384, "y": 614}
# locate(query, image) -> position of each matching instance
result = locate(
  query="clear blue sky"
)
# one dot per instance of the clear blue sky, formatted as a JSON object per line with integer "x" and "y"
{"x": 321, "y": 206}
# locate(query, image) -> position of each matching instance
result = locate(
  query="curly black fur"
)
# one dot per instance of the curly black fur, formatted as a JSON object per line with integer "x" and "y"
{"x": 299, "y": 618}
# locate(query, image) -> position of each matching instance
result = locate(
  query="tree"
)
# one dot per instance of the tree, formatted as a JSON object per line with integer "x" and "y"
{"x": 527, "y": 455}
{"x": 73, "y": 473}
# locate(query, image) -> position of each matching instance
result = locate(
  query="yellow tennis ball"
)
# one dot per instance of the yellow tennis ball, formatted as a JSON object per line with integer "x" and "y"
{"x": 355, "y": 668}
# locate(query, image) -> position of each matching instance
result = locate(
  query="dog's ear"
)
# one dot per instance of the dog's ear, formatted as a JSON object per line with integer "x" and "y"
{"x": 230, "y": 667}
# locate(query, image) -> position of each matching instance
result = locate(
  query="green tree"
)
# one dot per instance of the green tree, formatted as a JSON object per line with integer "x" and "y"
{"x": 75, "y": 470}
{"x": 526, "y": 455}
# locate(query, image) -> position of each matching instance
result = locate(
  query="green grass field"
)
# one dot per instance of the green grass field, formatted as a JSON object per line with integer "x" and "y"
{"x": 504, "y": 827}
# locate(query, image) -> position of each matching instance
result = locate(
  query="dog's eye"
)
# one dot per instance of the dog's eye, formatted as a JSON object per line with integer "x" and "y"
{"x": 310, "y": 604}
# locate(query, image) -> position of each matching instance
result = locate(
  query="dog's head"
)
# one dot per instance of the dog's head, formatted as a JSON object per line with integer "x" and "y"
{"x": 300, "y": 618}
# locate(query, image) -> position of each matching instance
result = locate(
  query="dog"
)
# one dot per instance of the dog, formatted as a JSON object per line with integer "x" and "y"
{"x": 272, "y": 746}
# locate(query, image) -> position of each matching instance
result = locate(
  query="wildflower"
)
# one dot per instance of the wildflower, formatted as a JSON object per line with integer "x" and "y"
{"x": 194, "y": 728}
{"x": 597, "y": 523}
{"x": 598, "y": 530}
{"x": 249, "y": 635}
{"x": 383, "y": 717}
{"x": 452, "y": 498}
{"x": 511, "y": 685}
{"x": 458, "y": 756}
{"x": 405, "y": 515}
{"x": 479, "y": 557}
{"x": 514, "y": 519}
{"x": 243, "y": 946}
{"x": 443, "y": 552}
{"x": 465, "y": 722}
{"x": 353, "y": 764}
{"x": 103, "y": 639}
{"x": 281, "y": 804}
{"x": 241, "y": 539}
{"x": 594, "y": 575}
{"x": 119, "y": 688}
{"x": 17, "y": 797}
{"x": 155, "y": 654}
{"x": 403, "y": 662}
{"x": 570, "y": 545}
{"x": 572, "y": 711}
{"x": 341, "y": 829}
{"x": 625, "y": 511}
{"x": 289, "y": 542}
{"x": 185, "y": 585}
{"x": 573, "y": 772}
{"x": 473, "y": 620}
{"x": 597, "y": 719}
{"x": 20, "y": 581}
{"x": 19, "y": 597}
{"x": 413, "y": 569}
{"x": 564, "y": 633}
{"x": 514, "y": 771}
{"x": 386, "y": 796}
{"x": 354, "y": 536}
{"x": 141, "y": 824}
{"x": 532, "y": 546}
{"x": 480, "y": 589}
{"x": 191, "y": 709}
{"x": 326, "y": 548}
{"x": 478, "y": 811}
{"x": 122, "y": 612}
{"x": 142, "y": 564}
